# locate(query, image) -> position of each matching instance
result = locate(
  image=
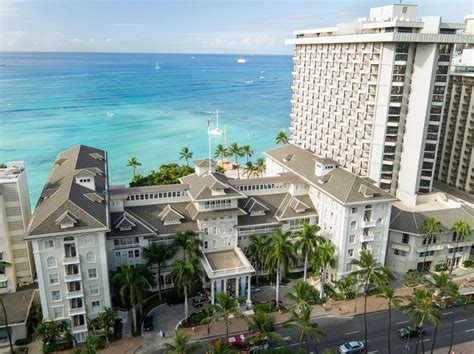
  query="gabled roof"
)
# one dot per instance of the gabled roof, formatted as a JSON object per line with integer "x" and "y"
{"x": 253, "y": 205}
{"x": 71, "y": 196}
{"x": 124, "y": 221}
{"x": 295, "y": 207}
{"x": 204, "y": 163}
{"x": 95, "y": 197}
{"x": 84, "y": 173}
{"x": 340, "y": 184}
{"x": 201, "y": 187}
{"x": 170, "y": 213}
{"x": 67, "y": 218}
{"x": 412, "y": 221}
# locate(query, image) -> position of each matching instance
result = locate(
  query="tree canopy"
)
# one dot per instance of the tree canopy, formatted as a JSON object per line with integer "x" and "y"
{"x": 167, "y": 174}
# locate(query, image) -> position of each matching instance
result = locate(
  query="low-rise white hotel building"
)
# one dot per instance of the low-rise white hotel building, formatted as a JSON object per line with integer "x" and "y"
{"x": 370, "y": 94}
{"x": 67, "y": 232}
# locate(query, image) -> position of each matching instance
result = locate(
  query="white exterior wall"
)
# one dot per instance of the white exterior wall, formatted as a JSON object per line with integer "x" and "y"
{"x": 15, "y": 214}
{"x": 403, "y": 263}
{"x": 417, "y": 121}
{"x": 86, "y": 245}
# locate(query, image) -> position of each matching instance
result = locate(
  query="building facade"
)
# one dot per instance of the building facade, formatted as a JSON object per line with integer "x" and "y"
{"x": 15, "y": 213}
{"x": 358, "y": 99}
{"x": 409, "y": 248}
{"x": 67, "y": 232}
{"x": 455, "y": 165}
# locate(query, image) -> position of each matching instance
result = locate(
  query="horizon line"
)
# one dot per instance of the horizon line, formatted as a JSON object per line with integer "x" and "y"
{"x": 119, "y": 52}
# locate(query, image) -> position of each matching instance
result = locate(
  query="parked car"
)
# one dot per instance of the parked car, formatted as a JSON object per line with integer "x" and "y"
{"x": 148, "y": 323}
{"x": 255, "y": 290}
{"x": 200, "y": 301}
{"x": 352, "y": 347}
{"x": 410, "y": 331}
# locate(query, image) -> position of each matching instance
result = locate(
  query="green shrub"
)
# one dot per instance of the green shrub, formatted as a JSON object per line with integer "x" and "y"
{"x": 468, "y": 263}
{"x": 441, "y": 267}
{"x": 194, "y": 319}
{"x": 24, "y": 341}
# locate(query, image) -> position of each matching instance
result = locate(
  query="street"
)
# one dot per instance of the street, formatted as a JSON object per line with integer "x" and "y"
{"x": 341, "y": 330}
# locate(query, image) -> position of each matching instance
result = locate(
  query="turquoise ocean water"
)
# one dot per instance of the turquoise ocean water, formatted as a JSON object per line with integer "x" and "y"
{"x": 52, "y": 101}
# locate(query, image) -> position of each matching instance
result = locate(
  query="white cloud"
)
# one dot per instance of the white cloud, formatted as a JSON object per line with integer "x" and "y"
{"x": 108, "y": 40}
{"x": 232, "y": 42}
{"x": 124, "y": 24}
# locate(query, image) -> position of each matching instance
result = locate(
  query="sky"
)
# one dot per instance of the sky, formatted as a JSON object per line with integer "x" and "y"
{"x": 183, "y": 26}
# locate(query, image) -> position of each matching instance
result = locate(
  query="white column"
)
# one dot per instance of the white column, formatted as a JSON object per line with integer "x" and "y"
{"x": 213, "y": 284}
{"x": 225, "y": 286}
{"x": 237, "y": 287}
{"x": 248, "y": 289}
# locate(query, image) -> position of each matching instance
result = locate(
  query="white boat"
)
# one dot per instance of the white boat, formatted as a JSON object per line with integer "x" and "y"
{"x": 216, "y": 131}
{"x": 241, "y": 61}
{"x": 192, "y": 57}
{"x": 157, "y": 66}
{"x": 110, "y": 114}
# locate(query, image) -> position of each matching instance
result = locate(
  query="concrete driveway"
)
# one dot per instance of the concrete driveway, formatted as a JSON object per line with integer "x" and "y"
{"x": 165, "y": 318}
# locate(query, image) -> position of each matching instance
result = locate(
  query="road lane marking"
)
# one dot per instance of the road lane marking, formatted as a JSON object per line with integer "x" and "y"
{"x": 348, "y": 333}
{"x": 399, "y": 323}
{"x": 447, "y": 313}
{"x": 469, "y": 330}
{"x": 459, "y": 321}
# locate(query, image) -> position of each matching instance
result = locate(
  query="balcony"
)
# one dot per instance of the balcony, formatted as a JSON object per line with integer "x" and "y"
{"x": 74, "y": 294}
{"x": 71, "y": 260}
{"x": 368, "y": 223}
{"x": 79, "y": 328}
{"x": 257, "y": 231}
{"x": 77, "y": 311}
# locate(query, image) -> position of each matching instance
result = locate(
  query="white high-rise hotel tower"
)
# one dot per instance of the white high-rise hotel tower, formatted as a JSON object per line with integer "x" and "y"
{"x": 370, "y": 94}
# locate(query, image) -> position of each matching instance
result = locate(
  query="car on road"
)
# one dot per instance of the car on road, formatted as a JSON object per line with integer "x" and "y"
{"x": 148, "y": 323}
{"x": 410, "y": 331}
{"x": 352, "y": 347}
{"x": 255, "y": 290}
{"x": 199, "y": 301}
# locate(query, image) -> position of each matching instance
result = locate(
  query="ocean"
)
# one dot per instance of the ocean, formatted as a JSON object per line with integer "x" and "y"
{"x": 50, "y": 102}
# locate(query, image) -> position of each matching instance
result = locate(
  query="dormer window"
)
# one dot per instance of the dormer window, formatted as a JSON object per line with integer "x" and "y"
{"x": 170, "y": 216}
{"x": 124, "y": 223}
{"x": 67, "y": 220}
{"x": 298, "y": 206}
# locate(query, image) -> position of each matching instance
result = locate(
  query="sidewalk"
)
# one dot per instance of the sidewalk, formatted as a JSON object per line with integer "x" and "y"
{"x": 463, "y": 348}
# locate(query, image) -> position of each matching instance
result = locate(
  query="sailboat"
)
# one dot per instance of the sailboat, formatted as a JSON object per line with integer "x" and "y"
{"x": 216, "y": 131}
{"x": 157, "y": 66}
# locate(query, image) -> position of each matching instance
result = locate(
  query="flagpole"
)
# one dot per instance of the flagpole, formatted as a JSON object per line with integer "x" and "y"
{"x": 209, "y": 139}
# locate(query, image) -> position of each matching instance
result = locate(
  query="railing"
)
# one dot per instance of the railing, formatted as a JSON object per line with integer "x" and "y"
{"x": 73, "y": 277}
{"x": 74, "y": 294}
{"x": 256, "y": 231}
{"x": 71, "y": 260}
{"x": 76, "y": 311}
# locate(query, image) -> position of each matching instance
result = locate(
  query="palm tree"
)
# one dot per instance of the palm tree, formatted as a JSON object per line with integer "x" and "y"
{"x": 282, "y": 138}
{"x": 188, "y": 243}
{"x": 52, "y": 332}
{"x": 220, "y": 152}
{"x": 262, "y": 324}
{"x": 255, "y": 252}
{"x": 226, "y": 305}
{"x": 185, "y": 154}
{"x": 369, "y": 272}
{"x": 463, "y": 230}
{"x": 301, "y": 319}
{"x": 133, "y": 163}
{"x": 307, "y": 241}
{"x": 249, "y": 169}
{"x": 132, "y": 283}
{"x": 106, "y": 321}
{"x": 180, "y": 345}
{"x": 393, "y": 300}
{"x": 236, "y": 151}
{"x": 421, "y": 308}
{"x": 455, "y": 296}
{"x": 279, "y": 253}
{"x": 303, "y": 294}
{"x": 220, "y": 347}
{"x": 220, "y": 169}
{"x": 324, "y": 258}
{"x": 247, "y": 151}
{"x": 260, "y": 167}
{"x": 439, "y": 287}
{"x": 185, "y": 274}
{"x": 431, "y": 228}
{"x": 156, "y": 255}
